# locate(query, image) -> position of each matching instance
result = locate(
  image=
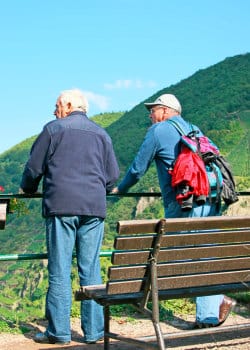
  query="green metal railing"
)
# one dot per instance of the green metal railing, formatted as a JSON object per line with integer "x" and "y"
{"x": 35, "y": 256}
{"x": 105, "y": 253}
{"x": 11, "y": 257}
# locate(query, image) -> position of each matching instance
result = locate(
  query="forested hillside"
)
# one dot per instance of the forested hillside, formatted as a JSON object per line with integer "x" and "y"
{"x": 217, "y": 99}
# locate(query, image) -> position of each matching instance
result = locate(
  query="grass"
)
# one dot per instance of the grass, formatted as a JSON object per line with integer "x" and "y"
{"x": 168, "y": 309}
{"x": 13, "y": 324}
{"x": 12, "y": 327}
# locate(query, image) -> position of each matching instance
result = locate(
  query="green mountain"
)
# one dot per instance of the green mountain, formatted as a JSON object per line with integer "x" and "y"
{"x": 217, "y": 99}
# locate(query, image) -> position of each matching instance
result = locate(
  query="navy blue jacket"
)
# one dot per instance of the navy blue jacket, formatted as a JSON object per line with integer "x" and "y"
{"x": 76, "y": 159}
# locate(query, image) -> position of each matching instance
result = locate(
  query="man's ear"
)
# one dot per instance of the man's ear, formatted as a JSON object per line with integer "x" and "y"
{"x": 69, "y": 108}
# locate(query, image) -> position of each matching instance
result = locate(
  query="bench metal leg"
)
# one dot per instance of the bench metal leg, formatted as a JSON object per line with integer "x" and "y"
{"x": 155, "y": 307}
{"x": 106, "y": 326}
{"x": 159, "y": 336}
{"x": 156, "y": 317}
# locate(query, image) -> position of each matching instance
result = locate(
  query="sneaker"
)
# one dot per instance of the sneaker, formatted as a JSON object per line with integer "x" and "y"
{"x": 93, "y": 341}
{"x": 44, "y": 339}
{"x": 226, "y": 307}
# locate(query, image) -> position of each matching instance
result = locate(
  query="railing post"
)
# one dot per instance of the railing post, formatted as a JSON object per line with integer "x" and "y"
{"x": 3, "y": 212}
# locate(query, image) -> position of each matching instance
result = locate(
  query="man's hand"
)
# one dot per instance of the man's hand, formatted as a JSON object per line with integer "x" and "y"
{"x": 21, "y": 191}
{"x": 115, "y": 190}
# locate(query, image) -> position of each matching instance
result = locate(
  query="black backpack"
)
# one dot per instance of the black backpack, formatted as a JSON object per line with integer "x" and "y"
{"x": 228, "y": 193}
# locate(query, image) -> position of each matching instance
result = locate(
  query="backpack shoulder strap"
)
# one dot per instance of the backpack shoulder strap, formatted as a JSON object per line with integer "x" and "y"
{"x": 177, "y": 126}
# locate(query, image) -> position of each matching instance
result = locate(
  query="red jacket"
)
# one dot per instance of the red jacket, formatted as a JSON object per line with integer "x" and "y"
{"x": 190, "y": 170}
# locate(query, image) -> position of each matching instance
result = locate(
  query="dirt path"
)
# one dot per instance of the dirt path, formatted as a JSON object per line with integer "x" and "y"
{"x": 136, "y": 328}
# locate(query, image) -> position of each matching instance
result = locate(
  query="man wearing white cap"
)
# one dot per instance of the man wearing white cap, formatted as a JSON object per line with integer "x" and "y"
{"x": 161, "y": 144}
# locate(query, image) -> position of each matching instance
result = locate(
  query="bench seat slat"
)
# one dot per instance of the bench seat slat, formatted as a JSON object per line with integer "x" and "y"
{"x": 173, "y": 269}
{"x": 186, "y": 239}
{"x": 203, "y": 290}
{"x": 141, "y": 257}
{"x": 101, "y": 296}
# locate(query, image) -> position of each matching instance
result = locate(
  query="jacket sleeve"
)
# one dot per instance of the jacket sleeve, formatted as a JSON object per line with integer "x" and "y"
{"x": 141, "y": 162}
{"x": 35, "y": 166}
{"x": 112, "y": 169}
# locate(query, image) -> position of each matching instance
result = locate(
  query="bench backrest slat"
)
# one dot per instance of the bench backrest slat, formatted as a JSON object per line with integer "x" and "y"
{"x": 185, "y": 239}
{"x": 141, "y": 257}
{"x": 203, "y": 279}
{"x": 178, "y": 282}
{"x": 183, "y": 224}
{"x": 181, "y": 268}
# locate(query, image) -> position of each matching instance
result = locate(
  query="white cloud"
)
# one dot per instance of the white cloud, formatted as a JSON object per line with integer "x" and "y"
{"x": 102, "y": 102}
{"x": 130, "y": 83}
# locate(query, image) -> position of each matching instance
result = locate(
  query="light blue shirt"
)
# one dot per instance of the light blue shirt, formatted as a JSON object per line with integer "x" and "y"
{"x": 161, "y": 144}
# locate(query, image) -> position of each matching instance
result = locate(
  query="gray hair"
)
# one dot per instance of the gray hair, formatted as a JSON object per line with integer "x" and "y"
{"x": 76, "y": 98}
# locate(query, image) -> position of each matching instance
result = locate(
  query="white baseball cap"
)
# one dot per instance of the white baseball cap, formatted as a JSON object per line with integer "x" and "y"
{"x": 167, "y": 100}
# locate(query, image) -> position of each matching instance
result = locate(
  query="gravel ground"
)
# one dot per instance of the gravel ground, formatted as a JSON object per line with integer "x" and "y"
{"x": 137, "y": 328}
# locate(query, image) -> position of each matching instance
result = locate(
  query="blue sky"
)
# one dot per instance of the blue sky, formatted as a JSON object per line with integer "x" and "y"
{"x": 119, "y": 52}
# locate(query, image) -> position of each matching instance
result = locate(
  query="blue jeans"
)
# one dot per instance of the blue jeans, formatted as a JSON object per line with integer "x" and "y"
{"x": 208, "y": 307}
{"x": 63, "y": 233}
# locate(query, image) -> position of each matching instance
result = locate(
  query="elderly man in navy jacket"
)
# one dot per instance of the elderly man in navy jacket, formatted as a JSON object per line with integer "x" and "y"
{"x": 76, "y": 160}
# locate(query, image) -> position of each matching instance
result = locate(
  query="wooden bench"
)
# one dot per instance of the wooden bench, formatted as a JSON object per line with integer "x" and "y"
{"x": 173, "y": 258}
